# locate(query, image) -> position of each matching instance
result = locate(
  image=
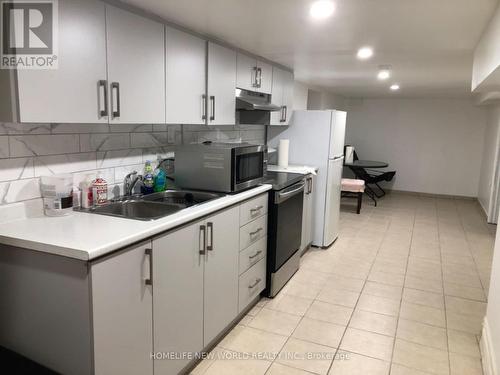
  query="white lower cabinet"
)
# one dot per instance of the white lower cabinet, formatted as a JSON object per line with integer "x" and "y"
{"x": 157, "y": 304}
{"x": 122, "y": 303}
{"x": 221, "y": 273}
{"x": 195, "y": 278}
{"x": 252, "y": 282}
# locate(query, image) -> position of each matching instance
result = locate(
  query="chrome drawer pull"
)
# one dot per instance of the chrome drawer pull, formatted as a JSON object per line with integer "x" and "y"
{"x": 255, "y": 284}
{"x": 256, "y": 209}
{"x": 256, "y": 232}
{"x": 255, "y": 255}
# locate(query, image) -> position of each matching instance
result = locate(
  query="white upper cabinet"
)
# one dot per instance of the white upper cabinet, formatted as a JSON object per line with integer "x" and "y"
{"x": 247, "y": 73}
{"x": 221, "y": 85}
{"x": 253, "y": 75}
{"x": 282, "y": 96}
{"x": 136, "y": 67}
{"x": 69, "y": 94}
{"x": 186, "y": 78}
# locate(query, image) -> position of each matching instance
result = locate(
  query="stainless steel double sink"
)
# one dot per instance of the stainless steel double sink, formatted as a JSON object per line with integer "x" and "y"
{"x": 154, "y": 206}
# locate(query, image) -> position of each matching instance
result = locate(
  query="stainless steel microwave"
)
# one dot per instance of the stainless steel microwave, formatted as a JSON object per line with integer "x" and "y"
{"x": 220, "y": 167}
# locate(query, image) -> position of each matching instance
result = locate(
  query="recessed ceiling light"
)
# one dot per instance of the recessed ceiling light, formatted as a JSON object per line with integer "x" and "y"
{"x": 365, "y": 53}
{"x": 322, "y": 9}
{"x": 384, "y": 73}
{"x": 395, "y": 87}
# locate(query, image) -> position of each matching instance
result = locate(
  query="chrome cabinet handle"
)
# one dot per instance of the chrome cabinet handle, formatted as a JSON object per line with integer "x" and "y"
{"x": 104, "y": 84}
{"x": 255, "y": 77}
{"x": 282, "y": 119}
{"x": 203, "y": 244}
{"x": 256, "y": 232}
{"x": 203, "y": 107}
{"x": 285, "y": 111}
{"x": 115, "y": 87}
{"x": 212, "y": 114}
{"x": 255, "y": 255}
{"x": 254, "y": 284}
{"x": 210, "y": 246}
{"x": 256, "y": 209}
{"x": 260, "y": 78}
{"x": 149, "y": 253}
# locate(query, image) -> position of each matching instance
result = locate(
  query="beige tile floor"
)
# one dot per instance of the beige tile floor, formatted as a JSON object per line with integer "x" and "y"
{"x": 401, "y": 292}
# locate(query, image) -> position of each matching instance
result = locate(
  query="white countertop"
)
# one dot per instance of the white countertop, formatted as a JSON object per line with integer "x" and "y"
{"x": 86, "y": 236}
{"x": 300, "y": 169}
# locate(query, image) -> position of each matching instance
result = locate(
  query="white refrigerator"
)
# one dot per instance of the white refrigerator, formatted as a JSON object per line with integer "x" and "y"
{"x": 317, "y": 139}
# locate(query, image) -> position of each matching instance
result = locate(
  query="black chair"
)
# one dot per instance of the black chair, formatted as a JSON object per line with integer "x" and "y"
{"x": 372, "y": 177}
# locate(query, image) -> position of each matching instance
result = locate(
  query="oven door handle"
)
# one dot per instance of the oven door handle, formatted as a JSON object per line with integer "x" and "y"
{"x": 289, "y": 192}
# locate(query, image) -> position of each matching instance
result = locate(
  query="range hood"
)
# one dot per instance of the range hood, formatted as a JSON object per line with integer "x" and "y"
{"x": 254, "y": 101}
{"x": 254, "y": 108}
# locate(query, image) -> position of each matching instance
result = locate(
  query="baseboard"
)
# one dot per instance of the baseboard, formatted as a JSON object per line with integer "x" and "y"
{"x": 430, "y": 195}
{"x": 488, "y": 352}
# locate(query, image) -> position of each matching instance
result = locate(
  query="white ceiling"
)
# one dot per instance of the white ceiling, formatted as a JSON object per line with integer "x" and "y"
{"x": 429, "y": 43}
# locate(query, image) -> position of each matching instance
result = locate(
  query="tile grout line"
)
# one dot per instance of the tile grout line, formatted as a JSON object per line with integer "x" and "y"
{"x": 402, "y": 292}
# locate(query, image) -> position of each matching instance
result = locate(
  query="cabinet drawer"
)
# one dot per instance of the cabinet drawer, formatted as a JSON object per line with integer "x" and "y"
{"x": 252, "y": 232}
{"x": 253, "y": 209}
{"x": 252, "y": 254}
{"x": 252, "y": 283}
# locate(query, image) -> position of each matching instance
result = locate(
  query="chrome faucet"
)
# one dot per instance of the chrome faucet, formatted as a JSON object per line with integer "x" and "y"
{"x": 130, "y": 182}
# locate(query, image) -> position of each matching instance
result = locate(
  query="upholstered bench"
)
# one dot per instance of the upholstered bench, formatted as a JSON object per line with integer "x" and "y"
{"x": 353, "y": 189}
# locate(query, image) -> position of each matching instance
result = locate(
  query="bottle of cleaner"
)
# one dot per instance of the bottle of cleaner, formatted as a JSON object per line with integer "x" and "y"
{"x": 160, "y": 180}
{"x": 100, "y": 190}
{"x": 149, "y": 180}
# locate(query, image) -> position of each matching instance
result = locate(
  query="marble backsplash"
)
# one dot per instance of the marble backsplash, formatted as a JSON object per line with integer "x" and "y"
{"x": 28, "y": 151}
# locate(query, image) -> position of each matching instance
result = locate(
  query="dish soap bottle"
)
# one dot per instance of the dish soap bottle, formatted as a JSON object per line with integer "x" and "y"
{"x": 149, "y": 180}
{"x": 160, "y": 180}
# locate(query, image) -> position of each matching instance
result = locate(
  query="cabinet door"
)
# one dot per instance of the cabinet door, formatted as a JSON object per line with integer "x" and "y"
{"x": 136, "y": 67}
{"x": 70, "y": 93}
{"x": 186, "y": 78}
{"x": 246, "y": 73}
{"x": 221, "y": 272}
{"x": 178, "y": 296}
{"x": 277, "y": 96}
{"x": 287, "y": 96}
{"x": 221, "y": 85}
{"x": 266, "y": 77}
{"x": 122, "y": 305}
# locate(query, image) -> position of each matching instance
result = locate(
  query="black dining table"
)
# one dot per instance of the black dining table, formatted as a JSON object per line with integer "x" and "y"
{"x": 369, "y": 164}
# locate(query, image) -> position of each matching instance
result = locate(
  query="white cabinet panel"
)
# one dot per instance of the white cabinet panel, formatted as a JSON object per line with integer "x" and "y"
{"x": 253, "y": 209}
{"x": 70, "y": 93}
{"x": 221, "y": 85}
{"x": 186, "y": 78}
{"x": 221, "y": 273}
{"x": 266, "y": 77}
{"x": 251, "y": 284}
{"x": 252, "y": 254}
{"x": 136, "y": 62}
{"x": 282, "y": 95}
{"x": 246, "y": 74}
{"x": 178, "y": 295}
{"x": 122, "y": 306}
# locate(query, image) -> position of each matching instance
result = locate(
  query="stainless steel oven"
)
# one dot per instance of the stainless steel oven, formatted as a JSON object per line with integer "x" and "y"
{"x": 220, "y": 167}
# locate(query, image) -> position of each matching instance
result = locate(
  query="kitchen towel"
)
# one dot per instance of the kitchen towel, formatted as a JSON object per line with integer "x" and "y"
{"x": 283, "y": 153}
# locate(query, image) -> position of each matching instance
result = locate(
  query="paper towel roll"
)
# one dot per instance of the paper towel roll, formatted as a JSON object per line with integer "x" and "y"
{"x": 283, "y": 153}
{"x": 349, "y": 154}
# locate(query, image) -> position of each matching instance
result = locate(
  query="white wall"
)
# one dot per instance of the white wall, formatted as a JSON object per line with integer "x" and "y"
{"x": 434, "y": 145}
{"x": 490, "y": 157}
{"x": 319, "y": 100}
{"x": 493, "y": 311}
{"x": 300, "y": 96}
{"x": 487, "y": 53}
